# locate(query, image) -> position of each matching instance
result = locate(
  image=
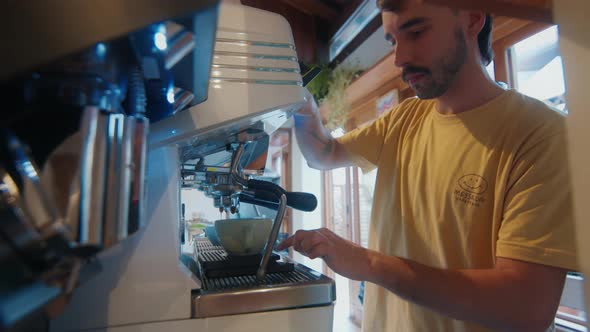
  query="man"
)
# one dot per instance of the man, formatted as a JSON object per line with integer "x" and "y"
{"x": 471, "y": 224}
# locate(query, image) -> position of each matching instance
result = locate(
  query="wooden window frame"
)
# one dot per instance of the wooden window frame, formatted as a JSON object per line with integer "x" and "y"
{"x": 504, "y": 59}
{"x": 328, "y": 206}
{"x": 283, "y": 139}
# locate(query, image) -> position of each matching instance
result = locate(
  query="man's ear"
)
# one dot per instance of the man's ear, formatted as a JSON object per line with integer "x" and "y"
{"x": 475, "y": 20}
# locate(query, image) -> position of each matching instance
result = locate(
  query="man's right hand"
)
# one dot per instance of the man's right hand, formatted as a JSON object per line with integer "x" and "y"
{"x": 310, "y": 107}
{"x": 318, "y": 146}
{"x": 342, "y": 256}
{"x": 309, "y": 114}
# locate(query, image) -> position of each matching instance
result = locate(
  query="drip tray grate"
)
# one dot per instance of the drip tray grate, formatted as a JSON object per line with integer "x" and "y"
{"x": 227, "y": 295}
{"x": 203, "y": 244}
{"x": 250, "y": 281}
{"x": 214, "y": 262}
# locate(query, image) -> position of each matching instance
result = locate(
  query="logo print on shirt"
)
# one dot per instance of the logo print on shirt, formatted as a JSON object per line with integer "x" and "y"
{"x": 473, "y": 183}
{"x": 471, "y": 188}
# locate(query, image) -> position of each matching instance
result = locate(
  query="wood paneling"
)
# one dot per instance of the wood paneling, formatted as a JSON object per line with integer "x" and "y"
{"x": 534, "y": 10}
{"x": 504, "y": 26}
{"x": 507, "y": 32}
{"x": 314, "y": 8}
{"x": 519, "y": 34}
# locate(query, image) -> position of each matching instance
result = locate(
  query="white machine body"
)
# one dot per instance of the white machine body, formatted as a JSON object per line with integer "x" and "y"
{"x": 254, "y": 81}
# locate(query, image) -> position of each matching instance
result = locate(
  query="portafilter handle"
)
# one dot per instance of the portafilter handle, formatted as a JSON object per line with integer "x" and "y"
{"x": 301, "y": 201}
{"x": 263, "y": 192}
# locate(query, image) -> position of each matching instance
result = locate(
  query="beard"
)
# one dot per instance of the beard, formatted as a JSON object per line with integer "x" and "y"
{"x": 438, "y": 79}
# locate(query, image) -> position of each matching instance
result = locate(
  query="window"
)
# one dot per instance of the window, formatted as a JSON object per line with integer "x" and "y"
{"x": 571, "y": 311}
{"x": 490, "y": 70}
{"x": 366, "y": 188}
{"x": 339, "y": 217}
{"x": 348, "y": 202}
{"x": 538, "y": 68}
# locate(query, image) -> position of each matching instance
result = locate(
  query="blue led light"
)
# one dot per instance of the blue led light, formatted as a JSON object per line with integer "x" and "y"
{"x": 160, "y": 41}
{"x": 170, "y": 96}
{"x": 29, "y": 169}
{"x": 101, "y": 50}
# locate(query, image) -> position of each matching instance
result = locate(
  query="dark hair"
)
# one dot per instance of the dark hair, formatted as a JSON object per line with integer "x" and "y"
{"x": 484, "y": 39}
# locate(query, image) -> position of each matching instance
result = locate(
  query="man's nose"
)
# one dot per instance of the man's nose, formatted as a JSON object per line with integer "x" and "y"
{"x": 403, "y": 55}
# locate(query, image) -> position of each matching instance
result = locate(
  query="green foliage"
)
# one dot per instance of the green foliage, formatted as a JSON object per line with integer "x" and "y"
{"x": 336, "y": 97}
{"x": 329, "y": 87}
{"x": 318, "y": 87}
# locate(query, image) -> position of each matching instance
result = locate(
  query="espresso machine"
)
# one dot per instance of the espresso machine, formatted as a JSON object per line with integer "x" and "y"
{"x": 110, "y": 127}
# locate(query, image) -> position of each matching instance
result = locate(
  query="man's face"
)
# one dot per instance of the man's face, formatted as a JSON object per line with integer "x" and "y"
{"x": 430, "y": 47}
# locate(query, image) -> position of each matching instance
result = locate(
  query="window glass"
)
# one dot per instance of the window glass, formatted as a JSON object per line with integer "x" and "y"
{"x": 538, "y": 68}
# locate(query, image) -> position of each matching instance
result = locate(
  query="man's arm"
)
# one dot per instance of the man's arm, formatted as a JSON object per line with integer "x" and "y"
{"x": 512, "y": 296}
{"x": 318, "y": 146}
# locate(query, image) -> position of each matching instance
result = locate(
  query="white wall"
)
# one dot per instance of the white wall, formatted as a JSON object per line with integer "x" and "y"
{"x": 309, "y": 180}
{"x": 197, "y": 203}
{"x": 571, "y": 15}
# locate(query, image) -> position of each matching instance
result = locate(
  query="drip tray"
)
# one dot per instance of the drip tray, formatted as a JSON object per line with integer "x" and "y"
{"x": 216, "y": 263}
{"x": 295, "y": 287}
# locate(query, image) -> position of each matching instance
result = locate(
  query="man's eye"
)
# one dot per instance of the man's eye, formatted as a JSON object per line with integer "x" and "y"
{"x": 390, "y": 40}
{"x": 415, "y": 34}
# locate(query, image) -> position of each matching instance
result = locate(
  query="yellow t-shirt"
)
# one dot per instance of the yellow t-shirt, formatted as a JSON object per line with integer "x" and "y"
{"x": 457, "y": 191}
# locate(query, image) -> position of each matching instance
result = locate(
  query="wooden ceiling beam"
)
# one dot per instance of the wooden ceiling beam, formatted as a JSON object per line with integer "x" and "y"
{"x": 314, "y": 8}
{"x": 505, "y": 26}
{"x": 344, "y": 15}
{"x": 534, "y": 10}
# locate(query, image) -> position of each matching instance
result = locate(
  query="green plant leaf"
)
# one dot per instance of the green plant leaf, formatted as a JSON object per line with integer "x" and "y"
{"x": 336, "y": 97}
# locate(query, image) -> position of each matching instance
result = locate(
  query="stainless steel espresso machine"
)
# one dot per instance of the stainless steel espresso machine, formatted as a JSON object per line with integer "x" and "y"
{"x": 92, "y": 232}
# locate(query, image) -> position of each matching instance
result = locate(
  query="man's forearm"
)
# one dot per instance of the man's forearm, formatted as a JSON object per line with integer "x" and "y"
{"x": 495, "y": 298}
{"x": 318, "y": 146}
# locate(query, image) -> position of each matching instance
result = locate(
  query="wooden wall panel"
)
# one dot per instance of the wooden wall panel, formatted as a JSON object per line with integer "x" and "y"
{"x": 314, "y": 8}
{"x": 504, "y": 26}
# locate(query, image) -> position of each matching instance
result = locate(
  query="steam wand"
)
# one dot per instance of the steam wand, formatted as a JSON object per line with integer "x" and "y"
{"x": 276, "y": 226}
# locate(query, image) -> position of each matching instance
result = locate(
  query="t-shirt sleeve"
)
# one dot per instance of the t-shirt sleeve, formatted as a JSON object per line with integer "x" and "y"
{"x": 538, "y": 224}
{"x": 364, "y": 144}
